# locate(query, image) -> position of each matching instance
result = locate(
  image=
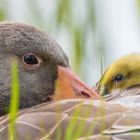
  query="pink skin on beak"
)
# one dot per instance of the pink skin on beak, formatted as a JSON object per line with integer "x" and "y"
{"x": 69, "y": 85}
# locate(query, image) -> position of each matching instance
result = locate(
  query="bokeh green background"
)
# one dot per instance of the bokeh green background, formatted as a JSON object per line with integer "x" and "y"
{"x": 93, "y": 33}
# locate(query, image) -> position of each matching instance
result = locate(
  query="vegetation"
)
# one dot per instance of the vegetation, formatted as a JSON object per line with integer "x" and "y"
{"x": 79, "y": 30}
{"x": 14, "y": 104}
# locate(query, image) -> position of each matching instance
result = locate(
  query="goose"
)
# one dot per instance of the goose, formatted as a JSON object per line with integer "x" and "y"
{"x": 54, "y": 102}
{"x": 44, "y": 71}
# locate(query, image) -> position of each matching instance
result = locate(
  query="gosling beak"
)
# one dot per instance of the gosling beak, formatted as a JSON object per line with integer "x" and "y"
{"x": 68, "y": 86}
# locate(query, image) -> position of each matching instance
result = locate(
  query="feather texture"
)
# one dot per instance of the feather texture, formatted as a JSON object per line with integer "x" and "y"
{"x": 100, "y": 119}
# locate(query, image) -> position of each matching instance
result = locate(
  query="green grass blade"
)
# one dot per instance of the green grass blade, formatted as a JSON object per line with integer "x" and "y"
{"x": 102, "y": 65}
{"x": 14, "y": 103}
{"x": 71, "y": 125}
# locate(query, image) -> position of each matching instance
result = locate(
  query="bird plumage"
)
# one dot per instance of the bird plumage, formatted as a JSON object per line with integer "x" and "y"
{"x": 81, "y": 119}
{"x": 39, "y": 57}
{"x": 123, "y": 74}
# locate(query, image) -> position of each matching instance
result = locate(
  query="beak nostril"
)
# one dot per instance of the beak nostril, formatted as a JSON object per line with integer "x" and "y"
{"x": 86, "y": 95}
{"x": 68, "y": 85}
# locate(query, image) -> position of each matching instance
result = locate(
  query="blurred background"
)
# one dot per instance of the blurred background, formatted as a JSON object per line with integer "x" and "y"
{"x": 93, "y": 33}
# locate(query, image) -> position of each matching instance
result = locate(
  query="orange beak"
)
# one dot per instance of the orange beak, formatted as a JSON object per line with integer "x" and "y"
{"x": 68, "y": 86}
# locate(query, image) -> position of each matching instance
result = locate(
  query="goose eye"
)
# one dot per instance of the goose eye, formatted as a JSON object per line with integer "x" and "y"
{"x": 31, "y": 59}
{"x": 118, "y": 78}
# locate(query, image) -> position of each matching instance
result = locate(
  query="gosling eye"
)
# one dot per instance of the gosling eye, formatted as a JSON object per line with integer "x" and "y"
{"x": 31, "y": 60}
{"x": 118, "y": 78}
